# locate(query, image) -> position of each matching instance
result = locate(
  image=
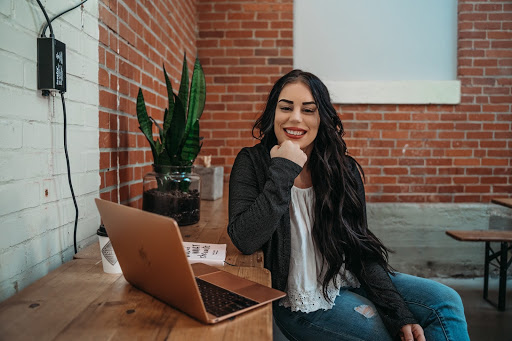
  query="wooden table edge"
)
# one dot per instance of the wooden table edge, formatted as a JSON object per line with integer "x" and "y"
{"x": 480, "y": 235}
{"x": 507, "y": 202}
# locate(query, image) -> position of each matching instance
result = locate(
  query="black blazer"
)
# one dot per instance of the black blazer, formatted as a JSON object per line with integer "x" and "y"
{"x": 259, "y": 218}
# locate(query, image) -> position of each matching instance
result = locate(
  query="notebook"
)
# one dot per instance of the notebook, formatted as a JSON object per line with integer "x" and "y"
{"x": 150, "y": 251}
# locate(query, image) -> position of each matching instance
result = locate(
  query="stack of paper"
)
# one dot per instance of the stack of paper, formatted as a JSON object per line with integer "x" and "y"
{"x": 211, "y": 254}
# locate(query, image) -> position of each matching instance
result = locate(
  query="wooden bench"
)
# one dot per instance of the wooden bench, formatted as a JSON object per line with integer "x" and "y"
{"x": 501, "y": 256}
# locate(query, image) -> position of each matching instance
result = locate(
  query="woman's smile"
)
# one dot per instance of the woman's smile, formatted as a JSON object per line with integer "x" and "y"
{"x": 294, "y": 133}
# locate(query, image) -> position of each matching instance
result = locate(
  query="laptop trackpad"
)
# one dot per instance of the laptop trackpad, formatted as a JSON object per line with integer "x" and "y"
{"x": 241, "y": 286}
{"x": 201, "y": 269}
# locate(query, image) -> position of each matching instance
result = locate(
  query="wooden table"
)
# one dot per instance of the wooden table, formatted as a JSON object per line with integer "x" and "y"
{"x": 507, "y": 202}
{"x": 79, "y": 301}
{"x": 501, "y": 256}
{"x": 481, "y": 235}
{"x": 211, "y": 228}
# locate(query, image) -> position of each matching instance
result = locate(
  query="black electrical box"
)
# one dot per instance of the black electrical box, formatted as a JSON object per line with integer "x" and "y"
{"x": 51, "y": 64}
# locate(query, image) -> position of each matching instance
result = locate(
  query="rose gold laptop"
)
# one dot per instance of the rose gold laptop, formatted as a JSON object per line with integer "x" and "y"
{"x": 152, "y": 257}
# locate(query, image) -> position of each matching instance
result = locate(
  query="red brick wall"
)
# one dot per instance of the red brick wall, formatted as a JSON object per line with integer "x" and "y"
{"x": 136, "y": 38}
{"x": 410, "y": 153}
{"x": 244, "y": 46}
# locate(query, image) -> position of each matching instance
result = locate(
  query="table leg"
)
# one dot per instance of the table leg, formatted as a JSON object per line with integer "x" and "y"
{"x": 503, "y": 276}
{"x": 486, "y": 269}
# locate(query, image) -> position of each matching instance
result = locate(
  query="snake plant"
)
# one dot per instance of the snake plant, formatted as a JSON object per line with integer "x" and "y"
{"x": 178, "y": 142}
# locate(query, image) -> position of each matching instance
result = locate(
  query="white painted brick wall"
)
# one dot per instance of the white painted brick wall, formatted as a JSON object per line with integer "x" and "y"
{"x": 5, "y": 7}
{"x": 18, "y": 40}
{"x": 91, "y": 160}
{"x": 36, "y": 210}
{"x": 29, "y": 82}
{"x": 13, "y": 262}
{"x": 11, "y": 69}
{"x": 19, "y": 227}
{"x": 11, "y": 135}
{"x": 20, "y": 164}
{"x": 16, "y": 196}
{"x": 27, "y": 105}
{"x": 37, "y": 135}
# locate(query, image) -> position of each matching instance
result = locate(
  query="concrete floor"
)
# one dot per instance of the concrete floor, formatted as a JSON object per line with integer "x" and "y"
{"x": 485, "y": 322}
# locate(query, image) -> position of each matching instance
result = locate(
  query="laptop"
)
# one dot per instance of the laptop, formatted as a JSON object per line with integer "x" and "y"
{"x": 152, "y": 257}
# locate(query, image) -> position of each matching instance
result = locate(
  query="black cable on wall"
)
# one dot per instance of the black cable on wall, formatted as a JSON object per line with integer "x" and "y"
{"x": 43, "y": 34}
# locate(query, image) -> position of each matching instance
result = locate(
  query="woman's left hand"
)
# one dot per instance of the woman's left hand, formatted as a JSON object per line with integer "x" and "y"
{"x": 412, "y": 332}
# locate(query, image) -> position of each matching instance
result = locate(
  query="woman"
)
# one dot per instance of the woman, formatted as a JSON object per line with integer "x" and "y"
{"x": 300, "y": 198}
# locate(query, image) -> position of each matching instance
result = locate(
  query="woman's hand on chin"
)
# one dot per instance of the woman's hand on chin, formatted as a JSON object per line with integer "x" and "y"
{"x": 291, "y": 151}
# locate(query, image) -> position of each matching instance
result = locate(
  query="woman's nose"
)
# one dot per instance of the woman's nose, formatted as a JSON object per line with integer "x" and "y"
{"x": 295, "y": 115}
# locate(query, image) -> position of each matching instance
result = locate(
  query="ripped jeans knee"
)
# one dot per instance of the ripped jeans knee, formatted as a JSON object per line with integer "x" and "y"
{"x": 365, "y": 310}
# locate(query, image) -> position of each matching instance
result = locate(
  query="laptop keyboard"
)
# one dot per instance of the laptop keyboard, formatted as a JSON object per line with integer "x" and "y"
{"x": 219, "y": 301}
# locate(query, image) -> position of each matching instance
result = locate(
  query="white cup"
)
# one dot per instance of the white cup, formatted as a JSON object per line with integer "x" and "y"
{"x": 108, "y": 256}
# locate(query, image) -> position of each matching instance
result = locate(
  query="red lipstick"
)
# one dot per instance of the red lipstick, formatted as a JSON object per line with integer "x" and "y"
{"x": 294, "y": 136}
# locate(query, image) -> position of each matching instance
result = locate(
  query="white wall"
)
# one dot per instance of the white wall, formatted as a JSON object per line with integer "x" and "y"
{"x": 374, "y": 51}
{"x": 377, "y": 40}
{"x": 36, "y": 210}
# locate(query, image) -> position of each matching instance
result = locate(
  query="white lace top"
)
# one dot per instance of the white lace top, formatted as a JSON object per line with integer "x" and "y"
{"x": 304, "y": 286}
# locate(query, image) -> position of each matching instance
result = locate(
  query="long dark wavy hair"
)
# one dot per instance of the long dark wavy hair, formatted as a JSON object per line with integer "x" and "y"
{"x": 340, "y": 230}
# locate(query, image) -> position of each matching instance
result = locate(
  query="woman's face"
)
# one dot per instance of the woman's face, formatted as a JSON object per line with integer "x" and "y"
{"x": 297, "y": 118}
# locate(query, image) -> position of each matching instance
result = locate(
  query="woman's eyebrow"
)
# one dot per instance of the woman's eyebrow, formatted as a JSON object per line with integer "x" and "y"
{"x": 291, "y": 102}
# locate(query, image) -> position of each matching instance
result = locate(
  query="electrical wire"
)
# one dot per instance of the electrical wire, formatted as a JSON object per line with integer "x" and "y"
{"x": 43, "y": 33}
{"x": 48, "y": 21}
{"x": 69, "y": 169}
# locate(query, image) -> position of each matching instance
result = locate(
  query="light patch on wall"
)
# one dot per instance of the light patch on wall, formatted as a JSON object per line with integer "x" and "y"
{"x": 403, "y": 52}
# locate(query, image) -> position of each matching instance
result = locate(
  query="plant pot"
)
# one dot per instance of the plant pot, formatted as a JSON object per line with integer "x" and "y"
{"x": 173, "y": 191}
{"x": 212, "y": 181}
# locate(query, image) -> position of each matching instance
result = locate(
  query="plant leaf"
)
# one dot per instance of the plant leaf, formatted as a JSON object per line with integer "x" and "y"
{"x": 163, "y": 158}
{"x": 145, "y": 124}
{"x": 170, "y": 97}
{"x": 160, "y": 130}
{"x": 191, "y": 146}
{"x": 197, "y": 95}
{"x": 162, "y": 136}
{"x": 159, "y": 148}
{"x": 183, "y": 93}
{"x": 176, "y": 131}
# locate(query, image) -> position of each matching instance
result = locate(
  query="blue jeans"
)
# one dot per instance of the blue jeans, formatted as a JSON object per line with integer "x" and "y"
{"x": 436, "y": 307}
